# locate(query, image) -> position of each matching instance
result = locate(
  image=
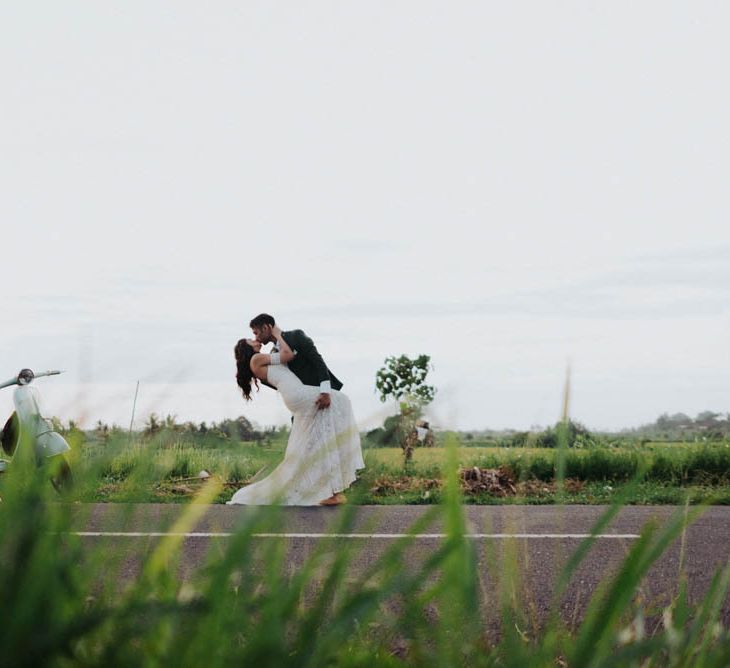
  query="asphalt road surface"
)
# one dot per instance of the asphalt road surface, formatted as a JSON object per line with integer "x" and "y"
{"x": 544, "y": 537}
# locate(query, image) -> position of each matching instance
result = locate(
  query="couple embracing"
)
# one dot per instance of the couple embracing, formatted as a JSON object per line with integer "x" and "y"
{"x": 323, "y": 452}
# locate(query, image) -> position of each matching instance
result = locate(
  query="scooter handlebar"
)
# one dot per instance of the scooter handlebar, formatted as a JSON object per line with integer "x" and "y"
{"x": 47, "y": 373}
{"x": 14, "y": 381}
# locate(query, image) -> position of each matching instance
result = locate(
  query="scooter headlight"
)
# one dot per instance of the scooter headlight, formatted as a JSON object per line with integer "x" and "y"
{"x": 25, "y": 376}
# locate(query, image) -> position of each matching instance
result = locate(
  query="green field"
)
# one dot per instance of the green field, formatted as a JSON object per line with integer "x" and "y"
{"x": 674, "y": 463}
{"x": 165, "y": 469}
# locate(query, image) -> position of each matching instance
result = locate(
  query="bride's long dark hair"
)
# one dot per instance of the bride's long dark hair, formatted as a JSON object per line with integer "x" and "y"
{"x": 244, "y": 376}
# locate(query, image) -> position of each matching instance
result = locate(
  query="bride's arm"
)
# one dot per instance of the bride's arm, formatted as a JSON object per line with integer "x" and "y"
{"x": 260, "y": 361}
{"x": 285, "y": 352}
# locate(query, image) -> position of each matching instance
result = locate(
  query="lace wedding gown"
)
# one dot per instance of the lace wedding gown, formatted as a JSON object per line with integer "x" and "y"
{"x": 323, "y": 452}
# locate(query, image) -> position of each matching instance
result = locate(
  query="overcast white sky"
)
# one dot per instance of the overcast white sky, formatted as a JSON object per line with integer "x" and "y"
{"x": 501, "y": 185}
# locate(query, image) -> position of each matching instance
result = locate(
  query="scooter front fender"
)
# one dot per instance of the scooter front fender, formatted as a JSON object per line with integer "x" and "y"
{"x": 50, "y": 444}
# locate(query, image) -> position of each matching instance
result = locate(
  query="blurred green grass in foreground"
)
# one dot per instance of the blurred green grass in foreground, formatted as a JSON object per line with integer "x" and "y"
{"x": 65, "y": 604}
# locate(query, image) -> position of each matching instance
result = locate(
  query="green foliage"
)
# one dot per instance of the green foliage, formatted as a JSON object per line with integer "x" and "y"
{"x": 147, "y": 469}
{"x": 405, "y": 378}
{"x": 389, "y": 435}
{"x": 141, "y": 470}
{"x": 707, "y": 464}
{"x": 576, "y": 436}
{"x": 238, "y": 429}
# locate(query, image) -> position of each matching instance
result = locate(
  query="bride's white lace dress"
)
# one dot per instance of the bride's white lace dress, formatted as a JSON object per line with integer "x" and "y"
{"x": 323, "y": 453}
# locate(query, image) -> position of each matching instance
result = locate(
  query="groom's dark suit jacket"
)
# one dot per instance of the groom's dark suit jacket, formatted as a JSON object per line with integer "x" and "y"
{"x": 308, "y": 364}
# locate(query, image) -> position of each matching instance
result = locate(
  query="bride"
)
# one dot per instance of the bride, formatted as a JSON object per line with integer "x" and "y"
{"x": 323, "y": 452}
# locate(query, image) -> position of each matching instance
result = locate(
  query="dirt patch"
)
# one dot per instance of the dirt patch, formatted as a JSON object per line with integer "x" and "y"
{"x": 495, "y": 482}
{"x": 392, "y": 485}
{"x": 191, "y": 486}
{"x": 476, "y": 481}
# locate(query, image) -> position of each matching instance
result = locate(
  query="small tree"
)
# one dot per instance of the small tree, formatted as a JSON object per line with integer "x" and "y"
{"x": 404, "y": 380}
{"x": 402, "y": 377}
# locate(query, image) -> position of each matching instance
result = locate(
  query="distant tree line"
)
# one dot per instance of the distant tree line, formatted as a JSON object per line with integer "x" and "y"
{"x": 240, "y": 428}
{"x": 707, "y": 425}
{"x": 574, "y": 434}
{"x": 235, "y": 429}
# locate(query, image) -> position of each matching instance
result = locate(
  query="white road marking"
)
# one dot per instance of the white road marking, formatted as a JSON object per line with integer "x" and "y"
{"x": 420, "y": 536}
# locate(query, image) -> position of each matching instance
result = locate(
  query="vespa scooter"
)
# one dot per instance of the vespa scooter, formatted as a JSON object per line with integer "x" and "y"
{"x": 27, "y": 427}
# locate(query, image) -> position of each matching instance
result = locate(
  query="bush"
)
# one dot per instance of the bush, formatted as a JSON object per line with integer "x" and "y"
{"x": 708, "y": 464}
{"x": 602, "y": 464}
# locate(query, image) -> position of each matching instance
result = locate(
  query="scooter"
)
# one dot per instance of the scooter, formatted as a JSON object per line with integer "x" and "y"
{"x": 28, "y": 426}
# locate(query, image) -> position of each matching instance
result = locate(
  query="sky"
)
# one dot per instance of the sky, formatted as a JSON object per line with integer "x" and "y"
{"x": 507, "y": 187}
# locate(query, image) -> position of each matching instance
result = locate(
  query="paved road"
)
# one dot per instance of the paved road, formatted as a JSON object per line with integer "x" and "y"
{"x": 545, "y": 537}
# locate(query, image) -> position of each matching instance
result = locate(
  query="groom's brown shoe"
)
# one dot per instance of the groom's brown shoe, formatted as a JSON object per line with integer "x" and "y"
{"x": 334, "y": 500}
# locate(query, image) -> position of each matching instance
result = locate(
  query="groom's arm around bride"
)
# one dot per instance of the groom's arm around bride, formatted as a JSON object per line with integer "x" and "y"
{"x": 308, "y": 365}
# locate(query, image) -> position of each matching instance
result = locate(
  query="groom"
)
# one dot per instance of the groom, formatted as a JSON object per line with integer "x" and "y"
{"x": 307, "y": 364}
